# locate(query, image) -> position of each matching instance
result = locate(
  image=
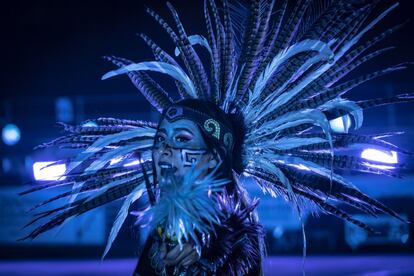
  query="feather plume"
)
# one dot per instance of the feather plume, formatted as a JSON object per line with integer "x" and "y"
{"x": 186, "y": 206}
{"x": 161, "y": 67}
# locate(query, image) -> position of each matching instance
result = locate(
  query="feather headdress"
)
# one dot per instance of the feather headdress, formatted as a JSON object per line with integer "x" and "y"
{"x": 277, "y": 63}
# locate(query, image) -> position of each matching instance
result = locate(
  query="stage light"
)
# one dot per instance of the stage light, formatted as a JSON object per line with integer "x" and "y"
{"x": 388, "y": 157}
{"x": 10, "y": 134}
{"x": 278, "y": 232}
{"x": 340, "y": 124}
{"x": 47, "y": 171}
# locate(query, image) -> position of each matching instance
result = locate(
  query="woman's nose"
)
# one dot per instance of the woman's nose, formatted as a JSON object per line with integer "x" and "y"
{"x": 165, "y": 150}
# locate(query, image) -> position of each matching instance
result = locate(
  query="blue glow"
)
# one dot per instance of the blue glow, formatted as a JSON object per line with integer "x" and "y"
{"x": 388, "y": 157}
{"x": 278, "y": 232}
{"x": 381, "y": 167}
{"x": 7, "y": 165}
{"x": 64, "y": 110}
{"x": 405, "y": 238}
{"x": 90, "y": 124}
{"x": 42, "y": 171}
{"x": 10, "y": 134}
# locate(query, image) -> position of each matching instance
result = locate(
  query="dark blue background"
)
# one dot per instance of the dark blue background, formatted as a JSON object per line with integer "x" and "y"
{"x": 52, "y": 49}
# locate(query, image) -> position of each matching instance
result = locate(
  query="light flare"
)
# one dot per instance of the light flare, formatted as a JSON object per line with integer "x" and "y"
{"x": 45, "y": 171}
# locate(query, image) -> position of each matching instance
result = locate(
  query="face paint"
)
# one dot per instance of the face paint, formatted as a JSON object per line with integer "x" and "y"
{"x": 189, "y": 157}
{"x": 178, "y": 145}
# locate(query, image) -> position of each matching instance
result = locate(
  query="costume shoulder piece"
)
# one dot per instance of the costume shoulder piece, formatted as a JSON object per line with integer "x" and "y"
{"x": 277, "y": 65}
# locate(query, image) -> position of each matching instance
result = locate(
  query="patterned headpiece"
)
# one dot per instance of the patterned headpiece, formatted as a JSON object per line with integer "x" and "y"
{"x": 217, "y": 130}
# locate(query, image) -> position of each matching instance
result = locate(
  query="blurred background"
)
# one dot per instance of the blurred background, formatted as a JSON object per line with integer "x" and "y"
{"x": 52, "y": 64}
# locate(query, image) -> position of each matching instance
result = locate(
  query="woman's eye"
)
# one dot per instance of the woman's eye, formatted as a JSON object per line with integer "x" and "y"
{"x": 182, "y": 139}
{"x": 159, "y": 138}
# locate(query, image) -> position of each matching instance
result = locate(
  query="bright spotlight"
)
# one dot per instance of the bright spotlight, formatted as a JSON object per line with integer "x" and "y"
{"x": 45, "y": 171}
{"x": 10, "y": 134}
{"x": 388, "y": 157}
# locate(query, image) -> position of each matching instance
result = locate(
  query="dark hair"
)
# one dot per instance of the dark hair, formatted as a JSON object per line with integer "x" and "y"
{"x": 234, "y": 122}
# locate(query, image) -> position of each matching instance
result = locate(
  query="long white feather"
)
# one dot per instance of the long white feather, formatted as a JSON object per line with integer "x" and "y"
{"x": 122, "y": 214}
{"x": 160, "y": 67}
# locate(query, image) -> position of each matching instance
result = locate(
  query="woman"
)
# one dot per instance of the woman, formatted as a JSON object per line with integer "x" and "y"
{"x": 262, "y": 110}
{"x": 182, "y": 140}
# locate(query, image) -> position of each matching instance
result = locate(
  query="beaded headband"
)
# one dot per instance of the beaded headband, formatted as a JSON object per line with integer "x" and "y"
{"x": 213, "y": 128}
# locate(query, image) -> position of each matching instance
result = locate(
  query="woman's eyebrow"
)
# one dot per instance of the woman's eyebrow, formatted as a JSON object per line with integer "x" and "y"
{"x": 183, "y": 128}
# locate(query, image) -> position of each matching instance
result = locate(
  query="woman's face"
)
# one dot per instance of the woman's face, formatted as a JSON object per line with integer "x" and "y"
{"x": 179, "y": 145}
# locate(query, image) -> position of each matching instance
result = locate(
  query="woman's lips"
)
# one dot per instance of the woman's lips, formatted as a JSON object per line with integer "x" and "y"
{"x": 166, "y": 167}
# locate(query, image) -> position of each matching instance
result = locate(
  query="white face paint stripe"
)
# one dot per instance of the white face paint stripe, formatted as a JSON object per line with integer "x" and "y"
{"x": 189, "y": 156}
